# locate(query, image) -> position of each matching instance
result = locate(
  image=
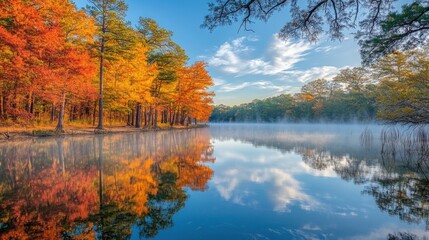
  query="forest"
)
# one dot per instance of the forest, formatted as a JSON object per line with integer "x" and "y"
{"x": 62, "y": 65}
{"x": 394, "y": 89}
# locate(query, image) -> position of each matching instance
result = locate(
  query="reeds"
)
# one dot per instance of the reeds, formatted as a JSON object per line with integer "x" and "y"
{"x": 410, "y": 145}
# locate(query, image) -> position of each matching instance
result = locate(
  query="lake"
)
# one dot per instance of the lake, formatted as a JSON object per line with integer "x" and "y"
{"x": 228, "y": 181}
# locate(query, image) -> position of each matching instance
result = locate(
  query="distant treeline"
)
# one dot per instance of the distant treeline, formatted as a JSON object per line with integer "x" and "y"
{"x": 339, "y": 107}
{"x": 395, "y": 89}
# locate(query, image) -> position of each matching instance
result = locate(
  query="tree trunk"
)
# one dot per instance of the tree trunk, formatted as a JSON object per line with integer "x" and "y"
{"x": 145, "y": 117}
{"x": 170, "y": 119}
{"x": 2, "y": 106}
{"x": 129, "y": 119}
{"x": 162, "y": 116}
{"x": 165, "y": 113}
{"x": 182, "y": 118}
{"x": 138, "y": 115}
{"x": 150, "y": 116}
{"x": 94, "y": 113}
{"x": 100, "y": 107}
{"x": 60, "y": 125}
{"x": 132, "y": 117}
{"x": 31, "y": 103}
{"x": 155, "y": 121}
{"x": 177, "y": 117}
{"x": 53, "y": 112}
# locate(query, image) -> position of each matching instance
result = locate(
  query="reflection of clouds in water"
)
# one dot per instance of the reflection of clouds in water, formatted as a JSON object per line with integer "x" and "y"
{"x": 285, "y": 189}
{"x": 276, "y": 171}
{"x": 311, "y": 227}
{"x": 240, "y": 163}
{"x": 308, "y": 231}
{"x": 226, "y": 185}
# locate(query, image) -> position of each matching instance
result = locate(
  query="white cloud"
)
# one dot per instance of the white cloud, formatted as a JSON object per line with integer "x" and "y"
{"x": 282, "y": 56}
{"x": 325, "y": 48}
{"x": 218, "y": 81}
{"x": 227, "y": 56}
{"x": 231, "y": 88}
{"x": 327, "y": 72}
{"x": 257, "y": 84}
{"x": 283, "y": 65}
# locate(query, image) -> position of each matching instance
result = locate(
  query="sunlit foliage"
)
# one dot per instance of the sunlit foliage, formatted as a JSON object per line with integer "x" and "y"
{"x": 61, "y": 64}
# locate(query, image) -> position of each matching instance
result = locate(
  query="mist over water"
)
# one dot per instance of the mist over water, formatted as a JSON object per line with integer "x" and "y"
{"x": 228, "y": 181}
{"x": 335, "y": 174}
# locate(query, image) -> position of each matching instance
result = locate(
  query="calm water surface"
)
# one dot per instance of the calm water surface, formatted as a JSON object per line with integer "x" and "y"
{"x": 234, "y": 181}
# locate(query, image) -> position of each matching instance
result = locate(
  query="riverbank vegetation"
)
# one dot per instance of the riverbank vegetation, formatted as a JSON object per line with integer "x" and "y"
{"x": 394, "y": 89}
{"x": 62, "y": 65}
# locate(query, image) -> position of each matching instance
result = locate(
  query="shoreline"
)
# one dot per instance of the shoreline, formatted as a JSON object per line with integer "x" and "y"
{"x": 6, "y": 136}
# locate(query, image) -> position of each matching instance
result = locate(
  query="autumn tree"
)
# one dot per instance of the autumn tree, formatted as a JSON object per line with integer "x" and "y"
{"x": 114, "y": 37}
{"x": 129, "y": 79}
{"x": 22, "y": 32}
{"x": 169, "y": 57}
{"x": 317, "y": 88}
{"x": 354, "y": 79}
{"x": 403, "y": 92}
{"x": 157, "y": 38}
{"x": 39, "y": 40}
{"x": 192, "y": 100}
{"x": 70, "y": 69}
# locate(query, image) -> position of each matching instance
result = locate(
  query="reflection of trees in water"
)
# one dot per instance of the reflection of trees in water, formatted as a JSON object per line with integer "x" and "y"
{"x": 162, "y": 206}
{"x": 347, "y": 168}
{"x": 403, "y": 236}
{"x": 394, "y": 166}
{"x": 50, "y": 188}
{"x": 405, "y": 196}
{"x": 399, "y": 182}
{"x": 339, "y": 139}
{"x": 399, "y": 189}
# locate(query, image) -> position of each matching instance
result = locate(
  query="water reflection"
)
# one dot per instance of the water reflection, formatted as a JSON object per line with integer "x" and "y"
{"x": 100, "y": 187}
{"x": 268, "y": 182}
{"x": 397, "y": 179}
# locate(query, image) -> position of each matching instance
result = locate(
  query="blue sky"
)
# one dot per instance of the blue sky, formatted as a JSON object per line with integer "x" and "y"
{"x": 246, "y": 65}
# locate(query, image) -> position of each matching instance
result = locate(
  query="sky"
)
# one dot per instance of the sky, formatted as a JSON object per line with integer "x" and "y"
{"x": 246, "y": 65}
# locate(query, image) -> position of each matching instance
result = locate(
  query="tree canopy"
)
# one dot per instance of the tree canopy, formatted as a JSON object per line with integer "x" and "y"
{"x": 54, "y": 58}
{"x": 381, "y": 30}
